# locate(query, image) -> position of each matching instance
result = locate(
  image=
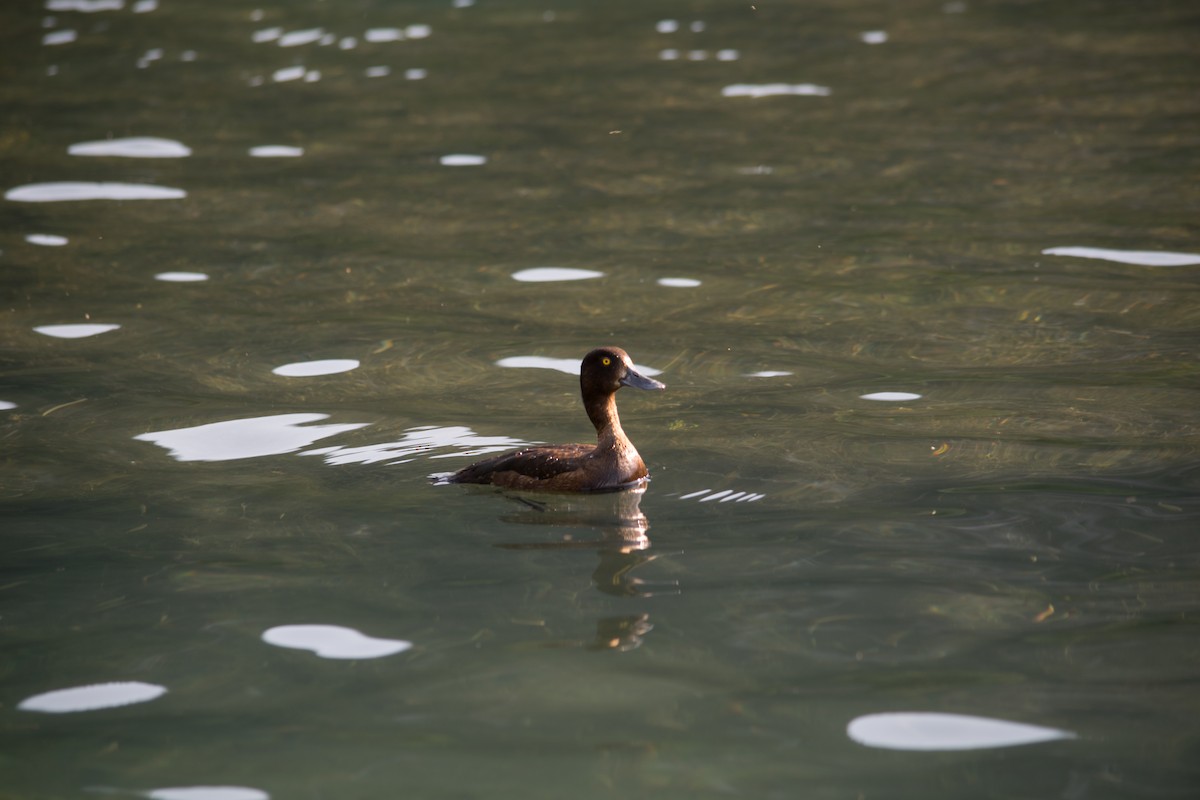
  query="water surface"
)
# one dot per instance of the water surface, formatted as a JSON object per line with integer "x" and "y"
{"x": 921, "y": 280}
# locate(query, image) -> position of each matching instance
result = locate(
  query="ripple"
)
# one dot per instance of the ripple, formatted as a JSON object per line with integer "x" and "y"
{"x": 251, "y": 437}
{"x": 132, "y": 147}
{"x": 462, "y": 160}
{"x": 77, "y": 190}
{"x": 545, "y": 274}
{"x": 46, "y": 239}
{"x": 890, "y": 397}
{"x": 775, "y": 89}
{"x": 208, "y": 793}
{"x": 679, "y": 283}
{"x": 76, "y": 331}
{"x": 181, "y": 277}
{"x": 276, "y": 151}
{"x": 1145, "y": 258}
{"x": 93, "y": 697}
{"x": 333, "y": 641}
{"x": 306, "y": 369}
{"x": 930, "y": 731}
{"x": 724, "y": 496}
{"x": 421, "y": 440}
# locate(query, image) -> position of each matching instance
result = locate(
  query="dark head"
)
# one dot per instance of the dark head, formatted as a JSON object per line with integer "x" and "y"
{"x": 607, "y": 369}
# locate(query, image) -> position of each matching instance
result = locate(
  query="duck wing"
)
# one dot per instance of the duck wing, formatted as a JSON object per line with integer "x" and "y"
{"x": 535, "y": 463}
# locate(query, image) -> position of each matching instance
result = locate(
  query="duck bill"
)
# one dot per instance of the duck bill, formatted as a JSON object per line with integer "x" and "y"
{"x": 639, "y": 381}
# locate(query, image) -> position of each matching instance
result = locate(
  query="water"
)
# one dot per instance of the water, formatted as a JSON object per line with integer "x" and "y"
{"x": 907, "y": 462}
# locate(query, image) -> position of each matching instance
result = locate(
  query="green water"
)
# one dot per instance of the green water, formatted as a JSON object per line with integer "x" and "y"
{"x": 1017, "y": 543}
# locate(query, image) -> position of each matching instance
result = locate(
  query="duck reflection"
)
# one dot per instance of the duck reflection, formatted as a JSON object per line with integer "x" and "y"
{"x": 620, "y": 542}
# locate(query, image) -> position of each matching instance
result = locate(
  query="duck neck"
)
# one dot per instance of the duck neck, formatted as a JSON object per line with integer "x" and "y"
{"x": 602, "y": 411}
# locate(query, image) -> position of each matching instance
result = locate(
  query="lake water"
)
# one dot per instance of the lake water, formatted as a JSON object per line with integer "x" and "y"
{"x": 921, "y": 279}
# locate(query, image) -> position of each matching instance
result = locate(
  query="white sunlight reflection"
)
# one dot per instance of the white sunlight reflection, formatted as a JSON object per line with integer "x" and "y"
{"x": 93, "y": 697}
{"x": 61, "y": 191}
{"x": 79, "y": 331}
{"x": 567, "y": 365}
{"x": 890, "y": 397}
{"x": 207, "y": 793}
{"x": 132, "y": 147}
{"x": 333, "y": 641}
{"x": 246, "y": 438}
{"x": 422, "y": 440}
{"x": 1145, "y": 258}
{"x": 181, "y": 277}
{"x": 935, "y": 731}
{"x": 546, "y": 274}
{"x": 308, "y": 369}
{"x": 757, "y": 90}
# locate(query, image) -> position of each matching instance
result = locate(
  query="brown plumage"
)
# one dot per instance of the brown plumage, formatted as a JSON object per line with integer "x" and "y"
{"x": 611, "y": 463}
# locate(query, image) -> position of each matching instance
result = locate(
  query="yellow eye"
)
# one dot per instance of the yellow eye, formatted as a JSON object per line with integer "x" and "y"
{"x": 606, "y": 361}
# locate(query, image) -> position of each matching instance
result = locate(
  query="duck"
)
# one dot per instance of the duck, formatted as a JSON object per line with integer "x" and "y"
{"x": 611, "y": 464}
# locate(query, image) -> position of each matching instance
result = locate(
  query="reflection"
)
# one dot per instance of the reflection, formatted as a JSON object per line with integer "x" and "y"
{"x": 419, "y": 441}
{"x": 462, "y": 160}
{"x": 873, "y": 37}
{"x": 80, "y": 331}
{"x": 723, "y": 496}
{"x": 333, "y": 641}
{"x": 79, "y": 190}
{"x": 890, "y": 397}
{"x": 276, "y": 151}
{"x": 133, "y": 146}
{"x": 181, "y": 277}
{"x": 297, "y": 38}
{"x": 622, "y": 546}
{"x": 59, "y": 37}
{"x": 543, "y": 274}
{"x": 46, "y": 239}
{"x": 679, "y": 283}
{"x": 567, "y": 365}
{"x": 207, "y": 793}
{"x": 6, "y": 405}
{"x": 621, "y": 633}
{"x": 85, "y": 6}
{"x": 756, "y": 90}
{"x": 932, "y": 731}
{"x": 1145, "y": 258}
{"x": 307, "y": 369}
{"x": 266, "y": 35}
{"x": 93, "y": 697}
{"x": 245, "y": 438}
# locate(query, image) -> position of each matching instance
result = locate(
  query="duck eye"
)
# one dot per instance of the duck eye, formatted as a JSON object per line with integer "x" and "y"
{"x": 606, "y": 361}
